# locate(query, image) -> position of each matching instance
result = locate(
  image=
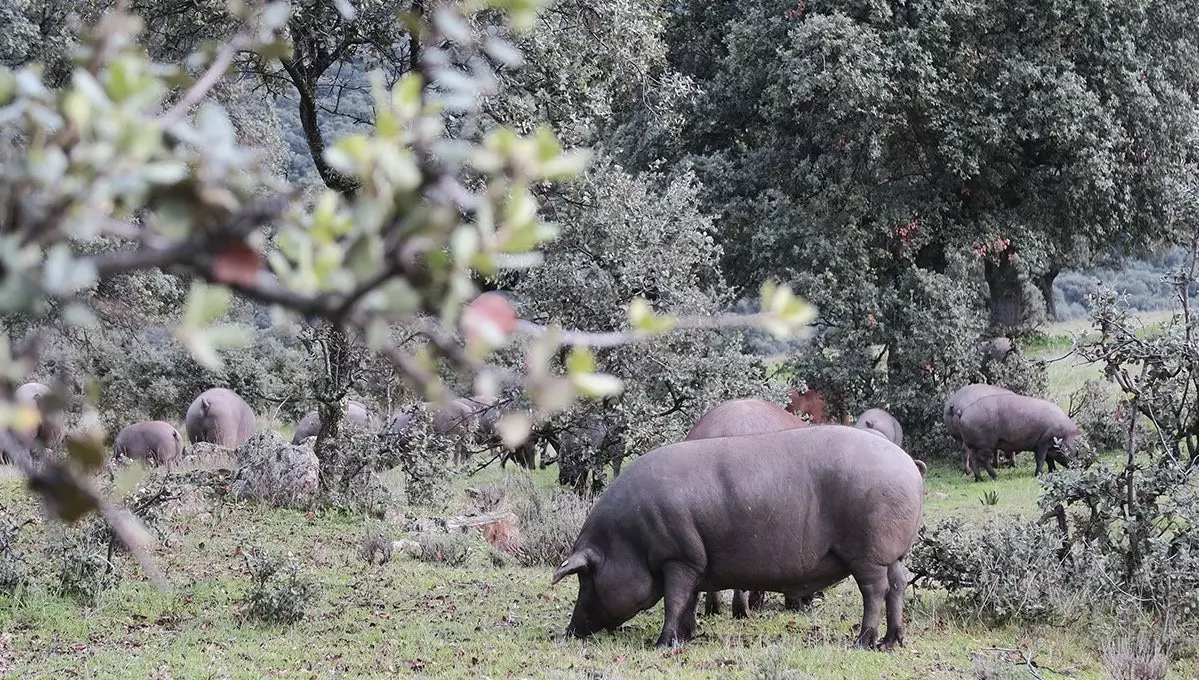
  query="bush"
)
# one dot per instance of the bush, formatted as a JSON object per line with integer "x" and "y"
{"x": 376, "y": 545}
{"x": 452, "y": 550}
{"x": 1092, "y": 409}
{"x": 1009, "y": 571}
{"x": 1135, "y": 659}
{"x": 423, "y": 457}
{"x": 14, "y": 572}
{"x": 279, "y": 593}
{"x": 350, "y": 464}
{"x": 84, "y": 563}
{"x": 549, "y": 522}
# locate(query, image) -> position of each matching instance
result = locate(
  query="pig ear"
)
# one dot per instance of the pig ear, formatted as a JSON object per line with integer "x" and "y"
{"x": 920, "y": 466}
{"x": 571, "y": 565}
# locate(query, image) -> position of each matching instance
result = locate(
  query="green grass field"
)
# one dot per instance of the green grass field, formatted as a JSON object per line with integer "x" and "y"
{"x": 413, "y": 619}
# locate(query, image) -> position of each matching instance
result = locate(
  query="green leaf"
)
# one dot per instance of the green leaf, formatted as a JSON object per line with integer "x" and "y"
{"x": 597, "y": 385}
{"x": 643, "y": 318}
{"x": 580, "y": 360}
{"x": 205, "y": 304}
{"x": 229, "y": 335}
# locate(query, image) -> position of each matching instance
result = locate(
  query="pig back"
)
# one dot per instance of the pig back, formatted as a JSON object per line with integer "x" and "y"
{"x": 742, "y": 417}
{"x": 965, "y": 396}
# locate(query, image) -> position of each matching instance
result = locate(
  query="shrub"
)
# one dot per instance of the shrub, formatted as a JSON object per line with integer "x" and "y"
{"x": 350, "y": 464}
{"x": 1092, "y": 409}
{"x": 1009, "y": 571}
{"x": 1135, "y": 659}
{"x": 422, "y": 455}
{"x": 14, "y": 572}
{"x": 279, "y": 593}
{"x": 452, "y": 550}
{"x": 84, "y": 563}
{"x": 549, "y": 522}
{"x": 375, "y": 545}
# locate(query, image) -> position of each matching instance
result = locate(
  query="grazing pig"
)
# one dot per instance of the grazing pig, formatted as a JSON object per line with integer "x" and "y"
{"x": 953, "y": 411}
{"x": 882, "y": 422}
{"x": 152, "y": 440}
{"x": 460, "y": 420}
{"x": 219, "y": 416}
{"x": 1013, "y": 422}
{"x": 793, "y": 511}
{"x": 734, "y": 419}
{"x": 49, "y": 431}
{"x": 354, "y": 411}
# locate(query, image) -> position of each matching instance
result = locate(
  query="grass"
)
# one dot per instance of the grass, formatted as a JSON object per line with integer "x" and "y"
{"x": 415, "y": 619}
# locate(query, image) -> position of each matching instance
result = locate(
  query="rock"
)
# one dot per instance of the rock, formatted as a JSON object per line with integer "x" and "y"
{"x": 276, "y": 472}
{"x": 939, "y": 496}
{"x": 500, "y": 529}
{"x": 258, "y": 446}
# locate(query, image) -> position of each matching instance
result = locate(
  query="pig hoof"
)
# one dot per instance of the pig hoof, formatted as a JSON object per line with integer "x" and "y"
{"x": 867, "y": 639}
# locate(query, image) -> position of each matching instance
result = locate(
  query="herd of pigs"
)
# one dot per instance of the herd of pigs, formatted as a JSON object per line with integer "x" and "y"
{"x": 757, "y": 498}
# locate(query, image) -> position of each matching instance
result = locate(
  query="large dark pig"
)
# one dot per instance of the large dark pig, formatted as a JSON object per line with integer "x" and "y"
{"x": 737, "y": 418}
{"x": 153, "y": 440}
{"x": 1012, "y": 422}
{"x": 953, "y": 411}
{"x": 883, "y": 423}
{"x": 219, "y": 416}
{"x": 792, "y": 511}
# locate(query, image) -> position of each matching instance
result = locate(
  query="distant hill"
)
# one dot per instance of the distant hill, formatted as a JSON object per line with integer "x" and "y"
{"x": 1141, "y": 280}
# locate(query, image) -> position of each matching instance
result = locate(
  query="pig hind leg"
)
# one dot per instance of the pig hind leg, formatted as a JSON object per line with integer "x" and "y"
{"x": 687, "y": 622}
{"x": 874, "y": 584}
{"x": 896, "y": 585}
{"x": 983, "y": 459}
{"x": 741, "y": 604}
{"x": 711, "y": 602}
{"x": 680, "y": 583}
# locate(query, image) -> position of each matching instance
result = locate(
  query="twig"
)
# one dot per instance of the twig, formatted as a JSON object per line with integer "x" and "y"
{"x": 1028, "y": 662}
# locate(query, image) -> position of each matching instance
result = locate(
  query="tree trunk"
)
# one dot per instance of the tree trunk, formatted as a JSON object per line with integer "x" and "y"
{"x": 1006, "y": 294}
{"x": 1045, "y": 285}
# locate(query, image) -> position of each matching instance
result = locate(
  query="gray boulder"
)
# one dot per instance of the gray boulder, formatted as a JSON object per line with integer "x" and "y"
{"x": 276, "y": 472}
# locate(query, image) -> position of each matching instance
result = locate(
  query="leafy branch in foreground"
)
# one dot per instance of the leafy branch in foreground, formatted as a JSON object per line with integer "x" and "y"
{"x": 119, "y": 152}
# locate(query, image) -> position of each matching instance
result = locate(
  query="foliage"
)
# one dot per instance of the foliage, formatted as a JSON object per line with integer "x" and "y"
{"x": 14, "y": 570}
{"x": 350, "y": 467}
{"x": 1103, "y": 423}
{"x": 419, "y": 203}
{"x": 838, "y": 120}
{"x": 1135, "y": 659}
{"x": 423, "y": 456}
{"x": 83, "y": 560}
{"x": 622, "y": 240}
{"x": 375, "y": 546}
{"x": 1006, "y": 571}
{"x": 279, "y": 592}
